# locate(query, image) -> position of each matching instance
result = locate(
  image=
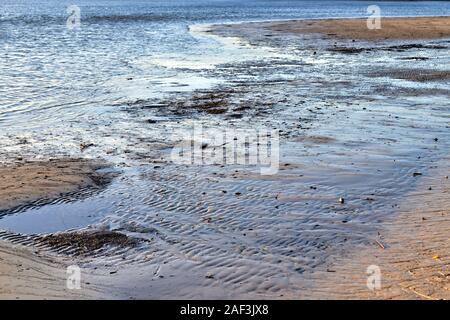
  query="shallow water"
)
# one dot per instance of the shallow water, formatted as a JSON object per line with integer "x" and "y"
{"x": 345, "y": 133}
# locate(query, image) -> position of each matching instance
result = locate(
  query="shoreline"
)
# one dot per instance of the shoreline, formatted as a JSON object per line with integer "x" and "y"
{"x": 18, "y": 264}
{"x": 412, "y": 251}
{"x": 306, "y": 19}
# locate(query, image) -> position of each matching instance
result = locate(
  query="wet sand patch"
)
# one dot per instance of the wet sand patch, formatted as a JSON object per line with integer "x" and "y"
{"x": 395, "y": 48}
{"x": 275, "y": 239}
{"x": 415, "y": 58}
{"x": 412, "y": 251}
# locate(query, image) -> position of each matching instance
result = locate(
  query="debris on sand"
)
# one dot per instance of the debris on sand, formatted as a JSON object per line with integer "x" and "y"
{"x": 88, "y": 241}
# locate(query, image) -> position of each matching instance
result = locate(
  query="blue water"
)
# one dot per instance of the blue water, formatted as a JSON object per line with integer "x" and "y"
{"x": 46, "y": 68}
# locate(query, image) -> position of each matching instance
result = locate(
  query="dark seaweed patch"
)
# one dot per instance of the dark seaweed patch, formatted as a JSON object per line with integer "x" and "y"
{"x": 88, "y": 241}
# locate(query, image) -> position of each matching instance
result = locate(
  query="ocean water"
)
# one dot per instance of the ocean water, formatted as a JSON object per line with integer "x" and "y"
{"x": 131, "y": 76}
{"x": 49, "y": 73}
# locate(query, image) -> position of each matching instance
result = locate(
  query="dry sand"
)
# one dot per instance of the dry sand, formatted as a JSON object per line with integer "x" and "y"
{"x": 25, "y": 182}
{"x": 391, "y": 28}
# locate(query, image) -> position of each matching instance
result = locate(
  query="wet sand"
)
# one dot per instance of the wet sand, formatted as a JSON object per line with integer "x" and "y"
{"x": 391, "y": 28}
{"x": 412, "y": 249}
{"x": 25, "y": 272}
{"x": 24, "y": 182}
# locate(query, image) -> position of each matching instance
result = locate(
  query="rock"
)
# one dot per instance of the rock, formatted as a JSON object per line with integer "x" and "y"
{"x": 207, "y": 220}
{"x": 84, "y": 146}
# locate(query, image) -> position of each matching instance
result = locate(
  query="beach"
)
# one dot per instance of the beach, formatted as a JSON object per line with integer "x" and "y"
{"x": 391, "y": 28}
{"x": 412, "y": 251}
{"x": 362, "y": 180}
{"x": 28, "y": 273}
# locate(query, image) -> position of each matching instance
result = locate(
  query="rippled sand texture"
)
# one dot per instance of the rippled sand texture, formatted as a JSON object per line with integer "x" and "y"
{"x": 412, "y": 250}
{"x": 28, "y": 274}
{"x": 351, "y": 126}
